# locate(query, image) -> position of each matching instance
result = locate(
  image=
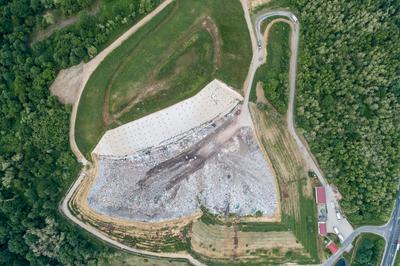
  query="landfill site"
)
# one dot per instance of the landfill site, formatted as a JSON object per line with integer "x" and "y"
{"x": 209, "y": 158}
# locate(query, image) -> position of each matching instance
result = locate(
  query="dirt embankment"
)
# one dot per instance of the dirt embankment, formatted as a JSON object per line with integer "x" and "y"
{"x": 146, "y": 235}
{"x": 66, "y": 86}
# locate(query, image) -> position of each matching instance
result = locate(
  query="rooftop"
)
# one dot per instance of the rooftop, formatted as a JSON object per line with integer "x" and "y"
{"x": 332, "y": 247}
{"x": 320, "y": 195}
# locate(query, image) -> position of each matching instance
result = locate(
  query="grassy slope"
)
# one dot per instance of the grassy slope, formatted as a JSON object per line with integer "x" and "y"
{"x": 195, "y": 77}
{"x": 397, "y": 261}
{"x": 303, "y": 225}
{"x": 235, "y": 56}
{"x": 375, "y": 258}
{"x": 274, "y": 73}
{"x": 89, "y": 123}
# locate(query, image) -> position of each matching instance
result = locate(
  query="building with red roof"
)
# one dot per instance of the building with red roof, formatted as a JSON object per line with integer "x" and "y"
{"x": 322, "y": 228}
{"x": 320, "y": 195}
{"x": 332, "y": 247}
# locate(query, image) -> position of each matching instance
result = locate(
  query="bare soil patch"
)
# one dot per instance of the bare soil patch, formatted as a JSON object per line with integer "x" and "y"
{"x": 256, "y": 3}
{"x": 226, "y": 242}
{"x": 67, "y": 84}
{"x": 260, "y": 93}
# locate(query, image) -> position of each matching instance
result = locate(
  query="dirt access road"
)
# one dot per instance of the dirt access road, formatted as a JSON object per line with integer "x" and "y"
{"x": 88, "y": 69}
{"x": 257, "y": 59}
{"x": 260, "y": 56}
{"x": 91, "y": 66}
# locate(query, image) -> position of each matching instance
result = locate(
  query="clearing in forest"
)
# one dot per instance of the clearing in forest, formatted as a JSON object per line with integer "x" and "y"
{"x": 168, "y": 60}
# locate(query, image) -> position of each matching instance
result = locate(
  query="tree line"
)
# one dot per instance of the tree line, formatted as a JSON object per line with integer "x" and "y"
{"x": 348, "y": 99}
{"x": 36, "y": 164}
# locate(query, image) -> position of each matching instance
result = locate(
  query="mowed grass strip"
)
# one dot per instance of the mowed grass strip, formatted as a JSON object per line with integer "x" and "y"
{"x": 149, "y": 48}
{"x": 274, "y": 74}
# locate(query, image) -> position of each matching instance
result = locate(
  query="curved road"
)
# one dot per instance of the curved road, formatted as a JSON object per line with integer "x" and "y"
{"x": 91, "y": 66}
{"x": 257, "y": 59}
{"x": 390, "y": 232}
{"x": 88, "y": 69}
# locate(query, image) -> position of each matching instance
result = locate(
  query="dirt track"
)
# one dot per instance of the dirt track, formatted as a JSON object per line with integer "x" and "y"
{"x": 91, "y": 66}
{"x": 88, "y": 70}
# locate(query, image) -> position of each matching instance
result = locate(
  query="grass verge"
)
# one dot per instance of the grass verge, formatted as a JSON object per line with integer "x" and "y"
{"x": 274, "y": 73}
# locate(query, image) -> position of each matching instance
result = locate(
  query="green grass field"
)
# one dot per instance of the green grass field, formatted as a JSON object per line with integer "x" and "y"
{"x": 169, "y": 59}
{"x": 397, "y": 261}
{"x": 128, "y": 259}
{"x": 368, "y": 250}
{"x": 274, "y": 73}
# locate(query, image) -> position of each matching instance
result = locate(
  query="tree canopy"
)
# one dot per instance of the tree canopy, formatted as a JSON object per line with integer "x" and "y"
{"x": 348, "y": 99}
{"x": 36, "y": 164}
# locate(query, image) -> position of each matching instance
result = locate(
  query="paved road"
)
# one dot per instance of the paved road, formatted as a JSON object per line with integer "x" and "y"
{"x": 91, "y": 66}
{"x": 393, "y": 235}
{"x": 390, "y": 232}
{"x": 343, "y": 225}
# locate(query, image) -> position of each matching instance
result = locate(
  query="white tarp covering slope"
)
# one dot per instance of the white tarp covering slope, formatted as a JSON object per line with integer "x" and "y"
{"x": 214, "y": 100}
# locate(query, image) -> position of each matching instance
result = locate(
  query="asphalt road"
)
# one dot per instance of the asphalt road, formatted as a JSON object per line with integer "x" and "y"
{"x": 257, "y": 60}
{"x": 343, "y": 225}
{"x": 394, "y": 236}
{"x": 390, "y": 232}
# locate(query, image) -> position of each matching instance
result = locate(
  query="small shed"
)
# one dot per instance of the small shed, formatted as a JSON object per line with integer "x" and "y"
{"x": 332, "y": 247}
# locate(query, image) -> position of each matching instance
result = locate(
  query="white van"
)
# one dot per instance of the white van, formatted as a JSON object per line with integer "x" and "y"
{"x": 336, "y": 230}
{"x": 338, "y": 215}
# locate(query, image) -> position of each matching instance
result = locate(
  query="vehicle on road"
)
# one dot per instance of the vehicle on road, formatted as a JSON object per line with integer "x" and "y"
{"x": 341, "y": 238}
{"x": 336, "y": 230}
{"x": 338, "y": 215}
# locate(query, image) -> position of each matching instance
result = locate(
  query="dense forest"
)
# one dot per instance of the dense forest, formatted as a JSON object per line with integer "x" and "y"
{"x": 348, "y": 107}
{"x": 36, "y": 164}
{"x": 348, "y": 99}
{"x": 369, "y": 250}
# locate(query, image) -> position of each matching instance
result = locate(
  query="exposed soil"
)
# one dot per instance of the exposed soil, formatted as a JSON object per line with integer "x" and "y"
{"x": 288, "y": 163}
{"x": 66, "y": 85}
{"x": 256, "y": 3}
{"x": 260, "y": 93}
{"x": 223, "y": 242}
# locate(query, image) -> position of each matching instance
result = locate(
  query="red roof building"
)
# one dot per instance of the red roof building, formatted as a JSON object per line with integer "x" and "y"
{"x": 321, "y": 196}
{"x": 322, "y": 228}
{"x": 332, "y": 247}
